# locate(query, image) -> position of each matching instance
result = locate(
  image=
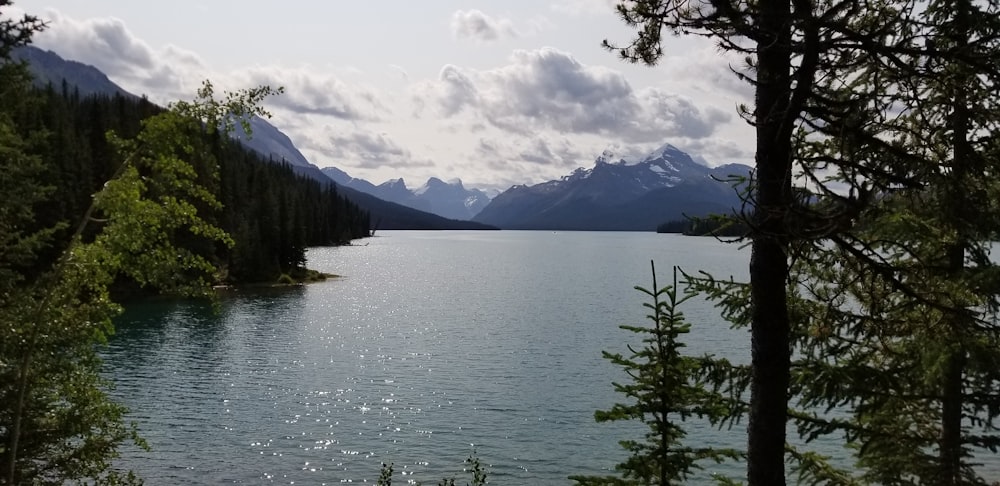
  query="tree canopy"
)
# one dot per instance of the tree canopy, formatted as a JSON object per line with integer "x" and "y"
{"x": 870, "y": 214}
{"x": 110, "y": 193}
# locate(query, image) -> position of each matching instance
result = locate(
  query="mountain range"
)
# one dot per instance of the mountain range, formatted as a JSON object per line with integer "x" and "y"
{"x": 449, "y": 199}
{"x": 49, "y": 68}
{"x": 620, "y": 194}
{"x": 617, "y": 193}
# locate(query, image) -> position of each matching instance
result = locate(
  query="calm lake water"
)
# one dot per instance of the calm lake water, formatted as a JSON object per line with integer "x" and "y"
{"x": 431, "y": 345}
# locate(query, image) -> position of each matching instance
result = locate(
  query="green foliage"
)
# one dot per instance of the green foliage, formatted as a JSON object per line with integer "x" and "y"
{"x": 898, "y": 315}
{"x": 16, "y": 32}
{"x": 59, "y": 424}
{"x": 20, "y": 183}
{"x": 155, "y": 195}
{"x": 872, "y": 302}
{"x": 385, "y": 475}
{"x": 54, "y": 413}
{"x": 880, "y": 345}
{"x": 271, "y": 214}
{"x": 666, "y": 389}
{"x": 223, "y": 115}
{"x": 475, "y": 467}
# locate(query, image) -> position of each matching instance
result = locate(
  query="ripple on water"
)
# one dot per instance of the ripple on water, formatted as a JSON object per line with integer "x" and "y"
{"x": 435, "y": 344}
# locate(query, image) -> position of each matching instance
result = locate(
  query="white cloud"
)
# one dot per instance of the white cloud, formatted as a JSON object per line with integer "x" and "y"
{"x": 676, "y": 116}
{"x": 316, "y": 93}
{"x": 539, "y": 149}
{"x": 547, "y": 89}
{"x": 474, "y": 24}
{"x": 371, "y": 148}
{"x": 364, "y": 149}
{"x": 456, "y": 90}
{"x": 526, "y": 118}
{"x": 718, "y": 151}
{"x": 707, "y": 69}
{"x": 108, "y": 44}
{"x": 171, "y": 73}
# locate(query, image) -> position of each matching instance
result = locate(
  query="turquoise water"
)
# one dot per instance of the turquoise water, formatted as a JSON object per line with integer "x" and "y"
{"x": 431, "y": 345}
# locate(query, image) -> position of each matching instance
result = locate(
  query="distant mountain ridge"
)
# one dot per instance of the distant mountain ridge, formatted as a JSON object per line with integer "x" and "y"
{"x": 449, "y": 199}
{"x": 619, "y": 194}
{"x": 49, "y": 68}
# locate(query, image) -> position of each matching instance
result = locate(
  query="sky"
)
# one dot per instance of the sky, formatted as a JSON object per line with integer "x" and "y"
{"x": 494, "y": 93}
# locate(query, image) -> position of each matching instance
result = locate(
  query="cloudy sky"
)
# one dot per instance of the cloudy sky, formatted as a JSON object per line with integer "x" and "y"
{"x": 494, "y": 93}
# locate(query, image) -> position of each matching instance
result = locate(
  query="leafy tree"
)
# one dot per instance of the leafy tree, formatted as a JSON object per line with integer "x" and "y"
{"x": 68, "y": 133}
{"x": 58, "y": 423}
{"x": 666, "y": 388}
{"x": 150, "y": 197}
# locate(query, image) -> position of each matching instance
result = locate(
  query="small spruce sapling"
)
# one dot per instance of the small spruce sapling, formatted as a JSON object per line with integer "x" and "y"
{"x": 666, "y": 389}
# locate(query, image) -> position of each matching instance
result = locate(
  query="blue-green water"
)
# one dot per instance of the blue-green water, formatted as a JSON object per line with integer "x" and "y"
{"x": 432, "y": 344}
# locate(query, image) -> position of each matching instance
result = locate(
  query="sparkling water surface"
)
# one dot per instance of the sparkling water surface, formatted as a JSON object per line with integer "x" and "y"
{"x": 431, "y": 346}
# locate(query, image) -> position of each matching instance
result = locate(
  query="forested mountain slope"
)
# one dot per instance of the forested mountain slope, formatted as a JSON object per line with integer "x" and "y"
{"x": 271, "y": 213}
{"x": 270, "y": 143}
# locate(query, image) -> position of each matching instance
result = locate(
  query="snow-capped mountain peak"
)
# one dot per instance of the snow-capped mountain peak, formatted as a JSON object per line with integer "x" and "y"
{"x": 609, "y": 156}
{"x": 614, "y": 155}
{"x": 430, "y": 184}
{"x": 394, "y": 183}
{"x": 617, "y": 193}
{"x": 578, "y": 173}
{"x": 448, "y": 199}
{"x": 668, "y": 152}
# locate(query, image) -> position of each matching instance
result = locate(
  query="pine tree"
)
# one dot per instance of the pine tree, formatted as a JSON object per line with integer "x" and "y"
{"x": 666, "y": 389}
{"x": 902, "y": 321}
{"x": 794, "y": 50}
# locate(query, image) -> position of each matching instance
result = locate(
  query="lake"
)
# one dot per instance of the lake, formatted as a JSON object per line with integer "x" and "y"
{"x": 430, "y": 346}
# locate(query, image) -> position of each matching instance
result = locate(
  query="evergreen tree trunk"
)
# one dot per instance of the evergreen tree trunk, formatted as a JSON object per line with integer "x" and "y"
{"x": 951, "y": 419}
{"x": 952, "y": 394}
{"x": 769, "y": 263}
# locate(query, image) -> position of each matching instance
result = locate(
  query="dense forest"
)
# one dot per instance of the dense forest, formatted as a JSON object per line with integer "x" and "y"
{"x": 271, "y": 213}
{"x": 109, "y": 194}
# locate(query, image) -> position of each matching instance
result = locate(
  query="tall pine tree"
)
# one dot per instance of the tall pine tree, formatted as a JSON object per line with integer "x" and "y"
{"x": 901, "y": 323}
{"x": 793, "y": 49}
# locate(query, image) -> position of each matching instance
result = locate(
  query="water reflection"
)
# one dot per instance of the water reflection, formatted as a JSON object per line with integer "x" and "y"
{"x": 187, "y": 369}
{"x": 433, "y": 344}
